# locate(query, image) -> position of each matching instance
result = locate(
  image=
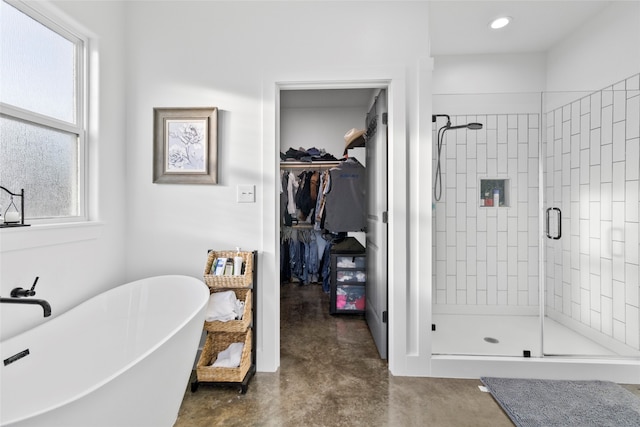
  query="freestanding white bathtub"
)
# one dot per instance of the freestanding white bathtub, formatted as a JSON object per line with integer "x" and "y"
{"x": 122, "y": 358}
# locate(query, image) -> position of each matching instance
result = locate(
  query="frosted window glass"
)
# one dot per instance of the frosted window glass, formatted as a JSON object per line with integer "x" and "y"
{"x": 44, "y": 162}
{"x": 37, "y": 66}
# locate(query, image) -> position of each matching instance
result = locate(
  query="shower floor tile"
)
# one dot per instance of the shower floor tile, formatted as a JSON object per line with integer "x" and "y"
{"x": 489, "y": 335}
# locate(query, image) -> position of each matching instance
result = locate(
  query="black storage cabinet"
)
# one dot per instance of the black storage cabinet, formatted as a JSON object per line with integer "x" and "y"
{"x": 348, "y": 277}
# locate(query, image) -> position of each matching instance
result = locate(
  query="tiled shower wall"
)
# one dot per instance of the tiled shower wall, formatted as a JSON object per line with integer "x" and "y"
{"x": 592, "y": 166}
{"x": 488, "y": 256}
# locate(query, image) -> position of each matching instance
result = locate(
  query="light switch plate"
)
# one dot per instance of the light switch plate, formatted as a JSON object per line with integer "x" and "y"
{"x": 246, "y": 193}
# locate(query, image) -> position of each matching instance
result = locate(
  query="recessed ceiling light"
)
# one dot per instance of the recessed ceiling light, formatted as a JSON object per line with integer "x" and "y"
{"x": 500, "y": 22}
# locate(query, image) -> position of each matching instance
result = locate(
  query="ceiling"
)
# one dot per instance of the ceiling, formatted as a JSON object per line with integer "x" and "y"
{"x": 459, "y": 27}
{"x": 462, "y": 27}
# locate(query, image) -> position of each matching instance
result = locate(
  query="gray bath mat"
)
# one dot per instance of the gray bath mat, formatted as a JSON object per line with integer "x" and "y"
{"x": 551, "y": 403}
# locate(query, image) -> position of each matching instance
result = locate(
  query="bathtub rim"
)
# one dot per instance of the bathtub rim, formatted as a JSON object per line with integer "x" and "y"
{"x": 126, "y": 367}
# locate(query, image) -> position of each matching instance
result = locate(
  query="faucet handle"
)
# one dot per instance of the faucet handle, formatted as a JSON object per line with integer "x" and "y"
{"x": 32, "y": 291}
{"x": 20, "y": 292}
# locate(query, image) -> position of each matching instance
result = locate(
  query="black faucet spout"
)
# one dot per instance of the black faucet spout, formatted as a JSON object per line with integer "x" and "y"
{"x": 44, "y": 304}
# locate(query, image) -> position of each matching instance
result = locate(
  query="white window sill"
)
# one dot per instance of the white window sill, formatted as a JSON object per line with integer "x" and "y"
{"x": 39, "y": 235}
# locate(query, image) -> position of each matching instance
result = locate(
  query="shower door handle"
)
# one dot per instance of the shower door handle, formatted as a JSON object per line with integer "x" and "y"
{"x": 559, "y": 228}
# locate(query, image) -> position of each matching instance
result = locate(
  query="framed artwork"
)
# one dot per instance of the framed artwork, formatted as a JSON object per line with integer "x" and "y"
{"x": 185, "y": 145}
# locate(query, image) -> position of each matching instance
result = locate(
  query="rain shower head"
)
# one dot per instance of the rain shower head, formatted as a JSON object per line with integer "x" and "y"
{"x": 472, "y": 126}
{"x": 437, "y": 189}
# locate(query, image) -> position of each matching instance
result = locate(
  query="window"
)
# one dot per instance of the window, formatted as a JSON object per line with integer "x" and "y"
{"x": 42, "y": 124}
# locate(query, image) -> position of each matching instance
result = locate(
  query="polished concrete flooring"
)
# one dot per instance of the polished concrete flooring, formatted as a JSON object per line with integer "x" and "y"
{"x": 330, "y": 375}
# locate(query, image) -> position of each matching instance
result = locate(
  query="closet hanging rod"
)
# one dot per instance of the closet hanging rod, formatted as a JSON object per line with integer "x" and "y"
{"x": 310, "y": 165}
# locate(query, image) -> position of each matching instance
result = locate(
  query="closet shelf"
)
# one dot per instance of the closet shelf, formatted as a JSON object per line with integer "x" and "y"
{"x": 310, "y": 165}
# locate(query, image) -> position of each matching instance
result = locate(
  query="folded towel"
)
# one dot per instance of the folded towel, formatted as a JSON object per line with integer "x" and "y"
{"x": 230, "y": 357}
{"x": 222, "y": 306}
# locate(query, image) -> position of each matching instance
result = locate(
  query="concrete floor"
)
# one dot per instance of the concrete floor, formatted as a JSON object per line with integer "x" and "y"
{"x": 331, "y": 375}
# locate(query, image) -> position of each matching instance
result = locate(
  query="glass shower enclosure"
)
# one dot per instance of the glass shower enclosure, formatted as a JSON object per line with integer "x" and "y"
{"x": 536, "y": 237}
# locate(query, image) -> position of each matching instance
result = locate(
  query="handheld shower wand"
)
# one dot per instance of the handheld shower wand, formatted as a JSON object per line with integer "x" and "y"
{"x": 437, "y": 189}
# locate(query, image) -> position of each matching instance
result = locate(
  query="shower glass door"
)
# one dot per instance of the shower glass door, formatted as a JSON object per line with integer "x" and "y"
{"x": 591, "y": 164}
{"x": 486, "y": 251}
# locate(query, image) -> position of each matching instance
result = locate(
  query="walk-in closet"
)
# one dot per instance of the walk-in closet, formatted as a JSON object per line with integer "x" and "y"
{"x": 333, "y": 203}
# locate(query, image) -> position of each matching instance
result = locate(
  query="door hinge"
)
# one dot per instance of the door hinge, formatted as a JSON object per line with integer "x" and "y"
{"x": 385, "y": 217}
{"x": 385, "y": 118}
{"x": 385, "y": 317}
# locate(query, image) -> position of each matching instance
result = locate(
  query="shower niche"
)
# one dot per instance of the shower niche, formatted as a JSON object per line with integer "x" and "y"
{"x": 494, "y": 192}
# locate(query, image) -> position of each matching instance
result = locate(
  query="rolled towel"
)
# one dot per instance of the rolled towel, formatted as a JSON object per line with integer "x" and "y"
{"x": 230, "y": 357}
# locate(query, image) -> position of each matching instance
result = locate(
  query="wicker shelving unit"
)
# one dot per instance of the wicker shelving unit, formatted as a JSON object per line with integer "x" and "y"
{"x": 221, "y": 334}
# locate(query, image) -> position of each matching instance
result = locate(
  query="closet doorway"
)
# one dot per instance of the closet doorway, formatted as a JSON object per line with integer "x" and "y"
{"x": 318, "y": 118}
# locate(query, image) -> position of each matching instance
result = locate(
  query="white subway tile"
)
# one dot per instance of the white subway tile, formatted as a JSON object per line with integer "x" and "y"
{"x": 619, "y": 332}
{"x": 584, "y": 166}
{"x": 481, "y": 297}
{"x": 594, "y": 183}
{"x": 492, "y": 290}
{"x": 631, "y": 284}
{"x": 618, "y": 260}
{"x": 632, "y": 322}
{"x": 451, "y": 231}
{"x": 585, "y": 200}
{"x": 606, "y": 315}
{"x": 481, "y": 153}
{"x": 632, "y": 164}
{"x": 594, "y": 151}
{"x": 584, "y": 236}
{"x": 631, "y": 243}
{"x": 471, "y": 290}
{"x": 584, "y": 132}
{"x": 566, "y": 137}
{"x": 533, "y": 141}
{"x": 606, "y": 128}
{"x": 451, "y": 260}
{"x": 575, "y": 151}
{"x": 619, "y": 104}
{"x": 633, "y": 83}
{"x": 472, "y": 261}
{"x": 596, "y": 106}
{"x": 606, "y": 251}
{"x": 618, "y": 194}
{"x": 461, "y": 216}
{"x": 481, "y": 274}
{"x": 631, "y": 201}
{"x": 607, "y": 96}
{"x": 633, "y": 117}
{"x": 585, "y": 312}
{"x": 619, "y": 142}
{"x": 606, "y": 163}
{"x": 461, "y": 245}
{"x": 594, "y": 220}
{"x": 606, "y": 277}
{"x": 594, "y": 256}
{"x": 533, "y": 260}
{"x": 594, "y": 292}
{"x": 451, "y": 290}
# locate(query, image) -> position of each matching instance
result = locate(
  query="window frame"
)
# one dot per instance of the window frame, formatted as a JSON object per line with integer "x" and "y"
{"x": 80, "y": 127}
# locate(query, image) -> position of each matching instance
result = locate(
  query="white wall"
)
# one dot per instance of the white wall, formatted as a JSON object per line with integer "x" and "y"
{"x": 604, "y": 51}
{"x": 495, "y": 73}
{"x": 77, "y": 262}
{"x": 319, "y": 127}
{"x": 232, "y": 55}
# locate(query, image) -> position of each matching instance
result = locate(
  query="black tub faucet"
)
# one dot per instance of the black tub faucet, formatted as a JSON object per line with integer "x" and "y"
{"x": 17, "y": 295}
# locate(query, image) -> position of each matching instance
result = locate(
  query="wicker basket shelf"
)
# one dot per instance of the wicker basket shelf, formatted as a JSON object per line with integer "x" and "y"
{"x": 217, "y": 342}
{"x": 243, "y": 281}
{"x": 233, "y": 325}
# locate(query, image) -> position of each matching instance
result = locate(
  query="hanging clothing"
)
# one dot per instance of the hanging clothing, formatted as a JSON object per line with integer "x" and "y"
{"x": 345, "y": 208}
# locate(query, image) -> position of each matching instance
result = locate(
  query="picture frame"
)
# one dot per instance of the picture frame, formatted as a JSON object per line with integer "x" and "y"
{"x": 185, "y": 145}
